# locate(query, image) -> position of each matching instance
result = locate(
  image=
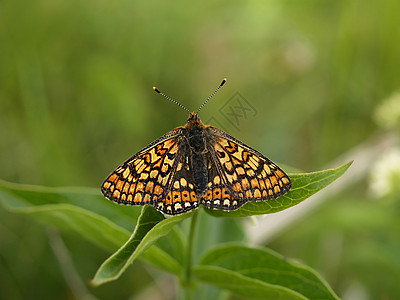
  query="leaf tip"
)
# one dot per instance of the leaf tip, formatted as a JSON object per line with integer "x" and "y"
{"x": 346, "y": 165}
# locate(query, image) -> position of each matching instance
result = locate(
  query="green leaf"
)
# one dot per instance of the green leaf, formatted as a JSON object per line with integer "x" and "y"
{"x": 64, "y": 209}
{"x": 150, "y": 227}
{"x": 303, "y": 186}
{"x": 167, "y": 253}
{"x": 174, "y": 243}
{"x": 85, "y": 212}
{"x": 259, "y": 273}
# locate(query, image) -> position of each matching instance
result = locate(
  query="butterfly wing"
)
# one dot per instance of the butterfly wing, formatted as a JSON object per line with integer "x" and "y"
{"x": 181, "y": 196}
{"x": 217, "y": 194}
{"x": 247, "y": 174}
{"x": 146, "y": 177}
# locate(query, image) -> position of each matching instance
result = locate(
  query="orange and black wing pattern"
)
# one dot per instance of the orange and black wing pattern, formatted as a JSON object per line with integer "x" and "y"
{"x": 218, "y": 195}
{"x": 246, "y": 174}
{"x": 146, "y": 177}
{"x": 181, "y": 196}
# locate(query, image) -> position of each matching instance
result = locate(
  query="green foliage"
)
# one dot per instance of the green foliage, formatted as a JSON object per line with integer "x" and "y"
{"x": 159, "y": 241}
{"x": 260, "y": 273}
{"x": 150, "y": 227}
{"x": 366, "y": 232}
{"x": 80, "y": 211}
{"x": 302, "y": 188}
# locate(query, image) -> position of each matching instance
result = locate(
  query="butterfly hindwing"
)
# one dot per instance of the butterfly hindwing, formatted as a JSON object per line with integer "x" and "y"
{"x": 146, "y": 176}
{"x": 247, "y": 174}
{"x": 181, "y": 195}
{"x": 217, "y": 195}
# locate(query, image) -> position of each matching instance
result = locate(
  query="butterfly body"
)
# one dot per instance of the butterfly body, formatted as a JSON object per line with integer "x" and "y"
{"x": 197, "y": 152}
{"x": 195, "y": 164}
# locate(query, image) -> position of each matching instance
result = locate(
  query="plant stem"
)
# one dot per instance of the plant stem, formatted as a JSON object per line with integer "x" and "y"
{"x": 189, "y": 255}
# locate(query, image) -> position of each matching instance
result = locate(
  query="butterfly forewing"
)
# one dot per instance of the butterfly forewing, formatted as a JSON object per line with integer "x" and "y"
{"x": 246, "y": 173}
{"x": 145, "y": 177}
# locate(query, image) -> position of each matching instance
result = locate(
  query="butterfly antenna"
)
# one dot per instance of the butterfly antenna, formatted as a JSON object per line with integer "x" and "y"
{"x": 172, "y": 100}
{"x": 220, "y": 85}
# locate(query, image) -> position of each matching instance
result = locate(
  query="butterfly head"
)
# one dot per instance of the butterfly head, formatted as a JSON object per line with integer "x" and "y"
{"x": 193, "y": 117}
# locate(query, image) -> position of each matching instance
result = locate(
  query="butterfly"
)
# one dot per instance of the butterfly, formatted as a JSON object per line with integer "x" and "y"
{"x": 195, "y": 164}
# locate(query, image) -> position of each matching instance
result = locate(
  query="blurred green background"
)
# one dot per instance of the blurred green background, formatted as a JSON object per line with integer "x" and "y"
{"x": 322, "y": 77}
